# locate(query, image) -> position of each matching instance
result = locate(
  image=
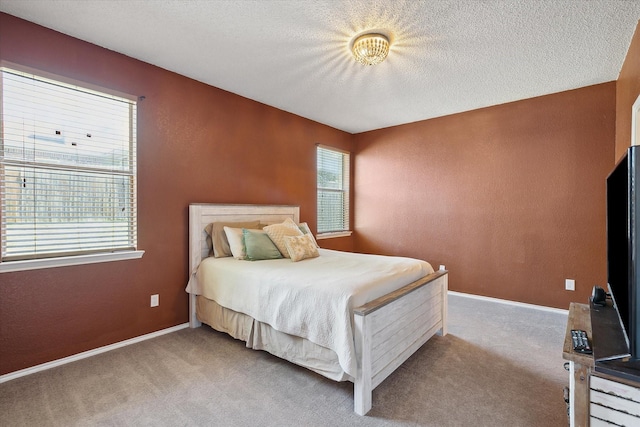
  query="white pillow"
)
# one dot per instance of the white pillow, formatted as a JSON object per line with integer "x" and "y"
{"x": 277, "y": 233}
{"x": 234, "y": 236}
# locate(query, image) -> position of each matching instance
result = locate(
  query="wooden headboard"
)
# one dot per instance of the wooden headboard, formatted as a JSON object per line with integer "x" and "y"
{"x": 200, "y": 215}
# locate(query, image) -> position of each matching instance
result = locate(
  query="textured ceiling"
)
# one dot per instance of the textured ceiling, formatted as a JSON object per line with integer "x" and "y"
{"x": 445, "y": 57}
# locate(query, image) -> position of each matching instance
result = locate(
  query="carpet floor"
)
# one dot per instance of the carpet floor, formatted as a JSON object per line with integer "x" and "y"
{"x": 500, "y": 365}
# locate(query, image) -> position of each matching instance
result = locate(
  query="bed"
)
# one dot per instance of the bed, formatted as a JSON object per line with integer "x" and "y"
{"x": 372, "y": 332}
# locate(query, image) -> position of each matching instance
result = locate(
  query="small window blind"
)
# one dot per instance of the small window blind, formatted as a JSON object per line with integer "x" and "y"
{"x": 333, "y": 190}
{"x": 67, "y": 169}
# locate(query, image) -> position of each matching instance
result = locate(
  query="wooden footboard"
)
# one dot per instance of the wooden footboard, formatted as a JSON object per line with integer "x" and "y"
{"x": 391, "y": 328}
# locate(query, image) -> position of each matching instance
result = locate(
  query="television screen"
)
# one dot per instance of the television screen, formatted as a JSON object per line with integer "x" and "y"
{"x": 618, "y": 239}
{"x": 623, "y": 251}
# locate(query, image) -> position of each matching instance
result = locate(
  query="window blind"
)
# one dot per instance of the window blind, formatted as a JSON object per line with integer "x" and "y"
{"x": 67, "y": 169}
{"x": 333, "y": 190}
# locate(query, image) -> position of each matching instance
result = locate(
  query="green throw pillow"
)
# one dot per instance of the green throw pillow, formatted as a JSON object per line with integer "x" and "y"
{"x": 259, "y": 246}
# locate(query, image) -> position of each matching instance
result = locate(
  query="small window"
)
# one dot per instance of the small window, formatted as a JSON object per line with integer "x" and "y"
{"x": 67, "y": 169}
{"x": 333, "y": 190}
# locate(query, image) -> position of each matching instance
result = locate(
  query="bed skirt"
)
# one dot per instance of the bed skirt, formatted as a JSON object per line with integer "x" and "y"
{"x": 261, "y": 336}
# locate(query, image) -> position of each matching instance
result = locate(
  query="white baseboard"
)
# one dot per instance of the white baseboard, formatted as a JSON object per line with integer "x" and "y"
{"x": 504, "y": 301}
{"x": 44, "y": 366}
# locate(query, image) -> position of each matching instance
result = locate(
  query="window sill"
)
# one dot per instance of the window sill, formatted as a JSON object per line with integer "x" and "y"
{"x": 335, "y": 234}
{"x": 35, "y": 264}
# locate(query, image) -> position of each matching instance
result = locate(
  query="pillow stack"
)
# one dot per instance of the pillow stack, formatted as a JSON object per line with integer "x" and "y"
{"x": 287, "y": 239}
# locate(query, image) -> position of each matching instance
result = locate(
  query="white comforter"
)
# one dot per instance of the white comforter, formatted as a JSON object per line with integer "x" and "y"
{"x": 312, "y": 298}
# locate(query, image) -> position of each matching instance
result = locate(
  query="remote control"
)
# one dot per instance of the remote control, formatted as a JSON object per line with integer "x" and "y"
{"x": 580, "y": 342}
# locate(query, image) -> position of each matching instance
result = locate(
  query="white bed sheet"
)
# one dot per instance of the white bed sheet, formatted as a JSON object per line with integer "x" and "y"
{"x": 313, "y": 298}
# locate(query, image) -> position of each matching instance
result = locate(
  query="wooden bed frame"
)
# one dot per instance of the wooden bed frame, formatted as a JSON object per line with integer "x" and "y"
{"x": 387, "y": 330}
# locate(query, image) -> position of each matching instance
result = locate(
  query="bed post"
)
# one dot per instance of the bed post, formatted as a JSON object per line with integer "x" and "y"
{"x": 195, "y": 230}
{"x": 445, "y": 303}
{"x": 362, "y": 390}
{"x": 193, "y": 319}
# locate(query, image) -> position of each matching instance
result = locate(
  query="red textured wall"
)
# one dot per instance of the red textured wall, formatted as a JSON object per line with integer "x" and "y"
{"x": 510, "y": 198}
{"x": 627, "y": 91}
{"x": 196, "y": 143}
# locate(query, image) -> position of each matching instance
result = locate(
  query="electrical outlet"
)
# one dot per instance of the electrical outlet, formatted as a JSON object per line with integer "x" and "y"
{"x": 155, "y": 300}
{"x": 570, "y": 284}
{"x": 442, "y": 267}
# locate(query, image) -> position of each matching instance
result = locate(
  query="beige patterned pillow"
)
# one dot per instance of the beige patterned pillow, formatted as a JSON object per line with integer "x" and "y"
{"x": 277, "y": 233}
{"x": 301, "y": 247}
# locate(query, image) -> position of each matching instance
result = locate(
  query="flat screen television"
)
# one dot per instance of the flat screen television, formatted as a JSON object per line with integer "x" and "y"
{"x": 623, "y": 245}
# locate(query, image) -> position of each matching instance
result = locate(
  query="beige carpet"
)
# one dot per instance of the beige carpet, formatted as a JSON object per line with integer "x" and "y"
{"x": 500, "y": 365}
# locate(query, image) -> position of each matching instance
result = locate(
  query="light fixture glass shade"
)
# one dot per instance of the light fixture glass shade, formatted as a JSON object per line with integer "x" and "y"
{"x": 370, "y": 49}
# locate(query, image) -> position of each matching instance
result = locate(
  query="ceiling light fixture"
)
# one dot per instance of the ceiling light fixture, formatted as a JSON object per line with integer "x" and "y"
{"x": 370, "y": 49}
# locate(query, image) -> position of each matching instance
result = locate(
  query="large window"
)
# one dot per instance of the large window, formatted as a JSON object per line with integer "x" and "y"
{"x": 333, "y": 190}
{"x": 67, "y": 169}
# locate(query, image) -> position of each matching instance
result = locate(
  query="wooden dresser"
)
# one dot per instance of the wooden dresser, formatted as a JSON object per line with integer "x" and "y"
{"x": 595, "y": 398}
